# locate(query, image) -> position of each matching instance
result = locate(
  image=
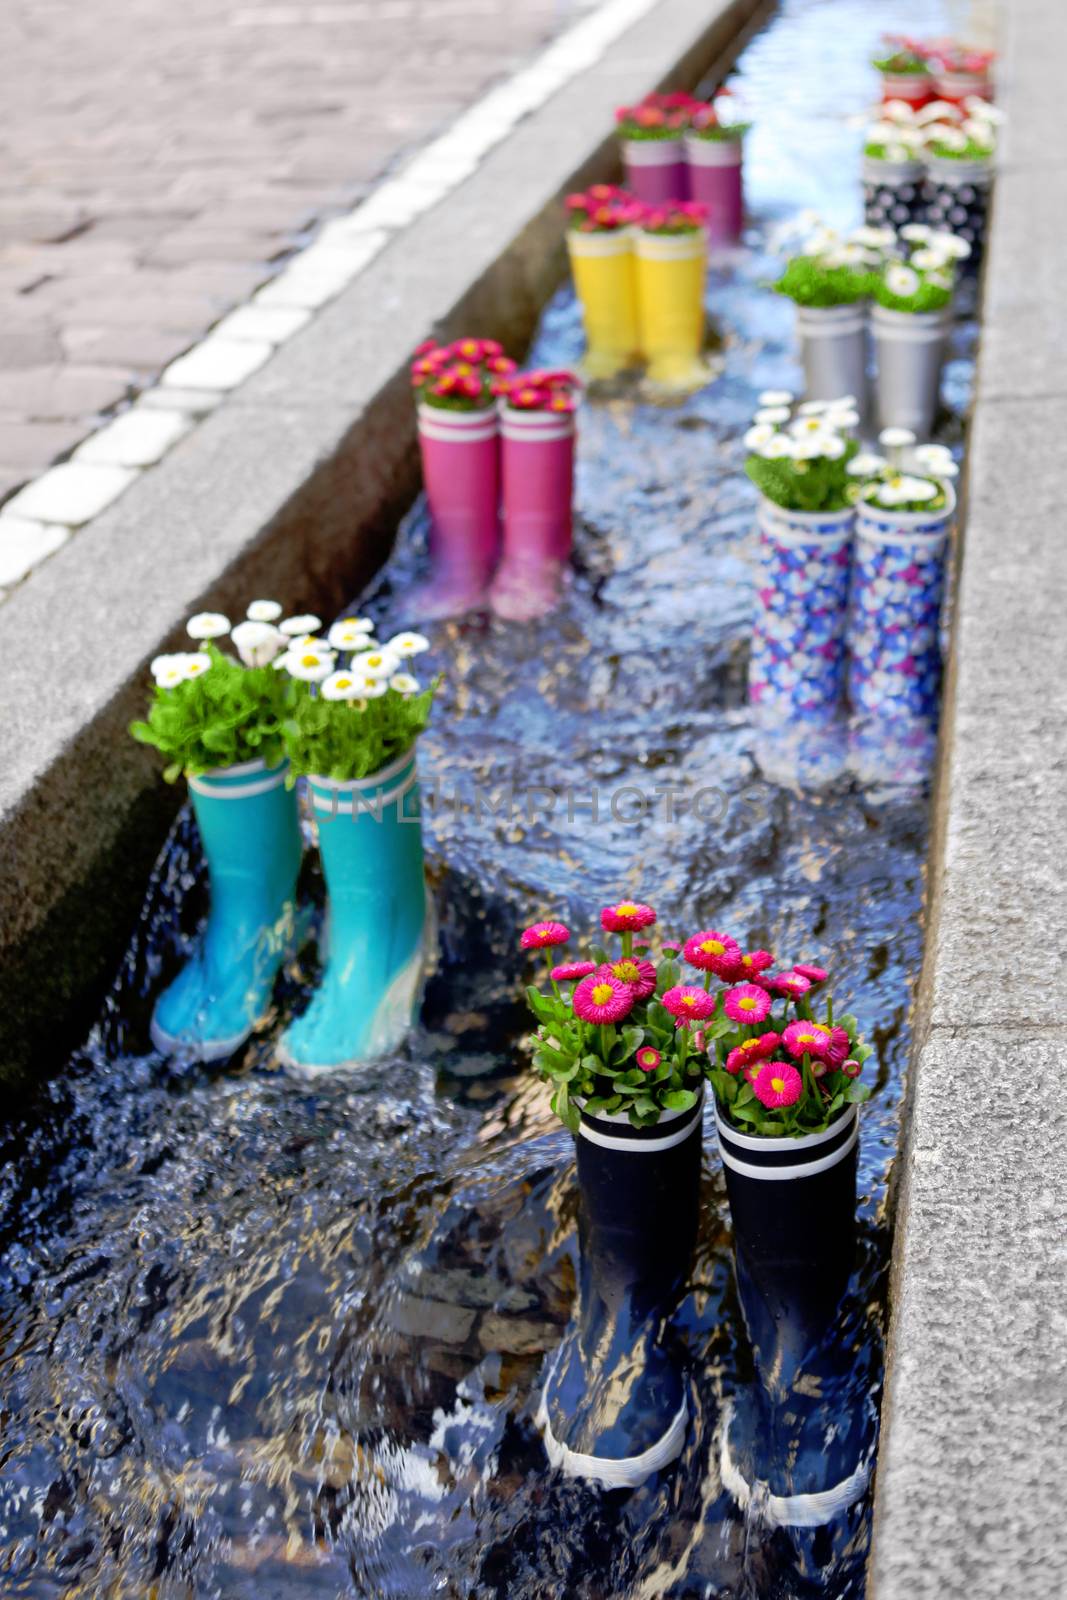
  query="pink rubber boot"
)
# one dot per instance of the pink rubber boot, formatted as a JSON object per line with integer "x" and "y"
{"x": 538, "y": 456}
{"x": 461, "y": 471}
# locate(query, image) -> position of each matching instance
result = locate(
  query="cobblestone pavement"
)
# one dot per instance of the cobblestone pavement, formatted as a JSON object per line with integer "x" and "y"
{"x": 159, "y": 157}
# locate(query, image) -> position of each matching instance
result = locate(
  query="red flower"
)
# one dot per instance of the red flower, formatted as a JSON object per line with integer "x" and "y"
{"x": 598, "y": 999}
{"x": 807, "y": 1039}
{"x": 687, "y": 1003}
{"x": 747, "y": 1003}
{"x": 752, "y": 1050}
{"x": 626, "y": 917}
{"x": 544, "y": 936}
{"x": 813, "y": 974}
{"x": 648, "y": 1058}
{"x": 852, "y": 1069}
{"x": 713, "y": 952}
{"x": 571, "y": 971}
{"x": 793, "y": 984}
{"x": 778, "y": 1084}
{"x": 638, "y": 975}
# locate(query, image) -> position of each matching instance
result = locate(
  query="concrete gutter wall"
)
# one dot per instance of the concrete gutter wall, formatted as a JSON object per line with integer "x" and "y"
{"x": 292, "y": 488}
{"x": 970, "y": 1474}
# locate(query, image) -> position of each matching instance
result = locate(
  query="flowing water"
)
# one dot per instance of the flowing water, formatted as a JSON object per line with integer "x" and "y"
{"x": 262, "y": 1337}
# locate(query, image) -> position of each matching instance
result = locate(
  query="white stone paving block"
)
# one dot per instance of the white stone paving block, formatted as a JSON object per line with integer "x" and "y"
{"x": 23, "y": 544}
{"x": 138, "y": 438}
{"x": 217, "y": 363}
{"x": 71, "y": 493}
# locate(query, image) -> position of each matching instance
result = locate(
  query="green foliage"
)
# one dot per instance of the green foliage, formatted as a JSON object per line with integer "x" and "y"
{"x": 721, "y": 132}
{"x": 344, "y": 739}
{"x": 637, "y": 131}
{"x": 900, "y": 64}
{"x": 972, "y": 151}
{"x": 808, "y": 281}
{"x": 229, "y": 715}
{"x": 930, "y": 296}
{"x": 819, "y": 485}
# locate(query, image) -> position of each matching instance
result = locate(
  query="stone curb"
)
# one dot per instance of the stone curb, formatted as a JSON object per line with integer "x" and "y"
{"x": 968, "y": 1496}
{"x": 292, "y": 486}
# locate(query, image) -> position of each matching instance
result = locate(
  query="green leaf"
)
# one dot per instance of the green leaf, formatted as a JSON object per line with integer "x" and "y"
{"x": 679, "y": 1099}
{"x": 857, "y": 1092}
{"x": 745, "y": 1113}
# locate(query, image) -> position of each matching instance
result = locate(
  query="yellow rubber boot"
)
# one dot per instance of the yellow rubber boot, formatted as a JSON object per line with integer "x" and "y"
{"x": 603, "y": 268}
{"x": 670, "y": 304}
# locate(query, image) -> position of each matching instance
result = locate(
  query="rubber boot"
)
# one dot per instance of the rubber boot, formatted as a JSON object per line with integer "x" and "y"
{"x": 538, "y": 459}
{"x": 370, "y": 841}
{"x": 670, "y": 308}
{"x": 606, "y": 285}
{"x": 613, "y": 1409}
{"x": 715, "y": 181}
{"x": 250, "y": 831}
{"x": 796, "y": 1448}
{"x": 656, "y": 171}
{"x": 461, "y": 472}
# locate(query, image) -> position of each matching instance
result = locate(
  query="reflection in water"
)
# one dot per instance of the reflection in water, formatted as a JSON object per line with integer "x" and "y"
{"x": 263, "y": 1338}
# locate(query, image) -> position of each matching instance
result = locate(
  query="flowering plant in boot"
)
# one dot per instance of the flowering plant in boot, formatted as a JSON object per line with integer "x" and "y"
{"x": 604, "y": 208}
{"x": 908, "y": 477}
{"x": 800, "y": 454}
{"x": 673, "y": 217}
{"x": 211, "y": 709}
{"x": 926, "y": 276}
{"x": 972, "y": 137}
{"x": 459, "y": 376}
{"x": 658, "y": 116}
{"x": 897, "y": 135}
{"x": 540, "y": 390}
{"x": 351, "y": 704}
{"x": 619, "y": 1031}
{"x": 778, "y": 1067}
{"x": 830, "y": 269}
{"x": 720, "y": 119}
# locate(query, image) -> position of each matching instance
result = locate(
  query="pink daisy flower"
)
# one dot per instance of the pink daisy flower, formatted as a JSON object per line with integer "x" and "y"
{"x": 806, "y": 1039}
{"x": 754, "y": 962}
{"x": 837, "y": 1045}
{"x": 747, "y": 1003}
{"x": 752, "y": 1050}
{"x": 638, "y": 975}
{"x": 712, "y": 952}
{"x": 852, "y": 1069}
{"x": 813, "y": 974}
{"x": 793, "y": 984}
{"x": 543, "y": 935}
{"x": 571, "y": 971}
{"x": 648, "y": 1058}
{"x": 626, "y": 917}
{"x": 778, "y": 1084}
{"x": 602, "y": 999}
{"x": 687, "y": 1003}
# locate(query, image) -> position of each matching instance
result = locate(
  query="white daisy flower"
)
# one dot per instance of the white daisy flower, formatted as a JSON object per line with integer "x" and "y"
{"x": 408, "y": 644}
{"x": 929, "y": 260}
{"x": 404, "y": 683}
{"x": 295, "y": 626}
{"x": 911, "y": 138}
{"x": 941, "y": 280}
{"x": 371, "y": 688}
{"x": 778, "y": 448}
{"x": 896, "y": 438}
{"x": 776, "y": 397}
{"x": 916, "y": 232}
{"x": 813, "y": 408}
{"x": 901, "y": 280}
{"x": 885, "y": 494}
{"x": 308, "y": 641}
{"x": 815, "y": 446}
{"x": 807, "y": 427}
{"x": 982, "y": 133}
{"x": 196, "y": 665}
{"x": 866, "y": 464}
{"x": 310, "y": 666}
{"x": 897, "y": 151}
{"x": 771, "y": 415}
{"x": 943, "y": 133}
{"x": 758, "y": 436}
{"x": 872, "y": 238}
{"x": 257, "y": 643}
{"x": 935, "y": 458}
{"x": 898, "y": 111}
{"x": 950, "y": 244}
{"x": 881, "y": 132}
{"x": 918, "y": 489}
{"x": 351, "y": 633}
{"x": 975, "y": 106}
{"x": 340, "y": 686}
{"x": 842, "y": 419}
{"x": 264, "y": 611}
{"x": 848, "y": 255}
{"x": 169, "y": 671}
{"x": 833, "y": 448}
{"x": 207, "y": 625}
{"x": 938, "y": 111}
{"x": 375, "y": 664}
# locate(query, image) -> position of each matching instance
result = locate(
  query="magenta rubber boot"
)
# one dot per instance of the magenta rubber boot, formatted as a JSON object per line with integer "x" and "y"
{"x": 715, "y": 181}
{"x": 656, "y": 170}
{"x": 461, "y": 471}
{"x": 538, "y": 457}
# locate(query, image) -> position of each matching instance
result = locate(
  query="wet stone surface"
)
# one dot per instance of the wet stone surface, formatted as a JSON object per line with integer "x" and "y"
{"x": 273, "y": 1338}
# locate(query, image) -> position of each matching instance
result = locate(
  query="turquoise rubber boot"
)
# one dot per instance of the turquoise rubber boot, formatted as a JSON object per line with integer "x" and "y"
{"x": 370, "y": 840}
{"x": 250, "y": 831}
